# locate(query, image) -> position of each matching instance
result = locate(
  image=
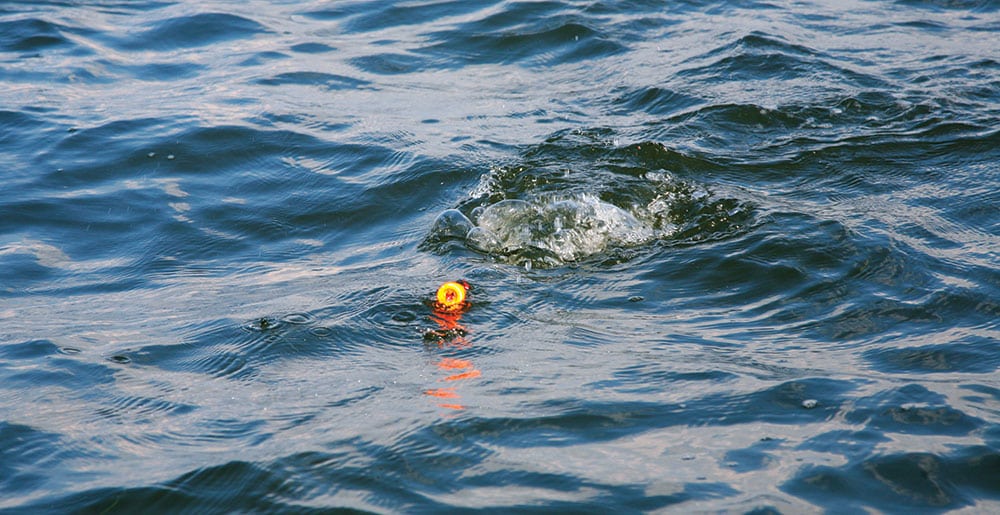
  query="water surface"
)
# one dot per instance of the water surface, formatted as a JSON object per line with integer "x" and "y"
{"x": 734, "y": 256}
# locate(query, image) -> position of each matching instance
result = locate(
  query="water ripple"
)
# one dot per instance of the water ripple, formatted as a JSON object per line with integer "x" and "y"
{"x": 191, "y": 31}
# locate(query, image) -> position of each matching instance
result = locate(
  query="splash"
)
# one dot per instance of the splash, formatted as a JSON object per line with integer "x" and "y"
{"x": 546, "y": 231}
{"x": 543, "y": 213}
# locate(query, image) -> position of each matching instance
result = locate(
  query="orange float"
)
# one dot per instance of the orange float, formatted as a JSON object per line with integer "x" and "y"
{"x": 451, "y": 296}
{"x": 450, "y": 303}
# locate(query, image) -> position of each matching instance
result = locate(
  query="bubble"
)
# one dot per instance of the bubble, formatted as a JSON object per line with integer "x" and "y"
{"x": 476, "y": 213}
{"x": 321, "y": 331}
{"x": 450, "y": 224}
{"x": 297, "y": 318}
{"x": 810, "y": 403}
{"x": 482, "y": 240}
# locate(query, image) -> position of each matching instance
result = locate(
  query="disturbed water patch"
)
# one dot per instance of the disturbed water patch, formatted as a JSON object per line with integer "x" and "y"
{"x": 580, "y": 197}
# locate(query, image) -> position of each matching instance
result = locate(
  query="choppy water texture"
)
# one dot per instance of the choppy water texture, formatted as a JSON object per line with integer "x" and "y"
{"x": 733, "y": 256}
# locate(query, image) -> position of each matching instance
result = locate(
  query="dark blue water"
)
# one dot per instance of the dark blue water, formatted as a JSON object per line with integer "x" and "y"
{"x": 725, "y": 256}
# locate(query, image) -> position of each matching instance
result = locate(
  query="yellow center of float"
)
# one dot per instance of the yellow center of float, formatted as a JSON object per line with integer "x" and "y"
{"x": 451, "y": 295}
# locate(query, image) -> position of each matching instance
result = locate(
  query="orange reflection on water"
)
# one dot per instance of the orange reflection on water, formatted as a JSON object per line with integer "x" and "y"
{"x": 450, "y": 335}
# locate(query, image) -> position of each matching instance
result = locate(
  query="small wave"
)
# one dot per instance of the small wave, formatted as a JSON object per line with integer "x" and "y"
{"x": 654, "y": 100}
{"x": 30, "y": 35}
{"x": 973, "y": 5}
{"x": 192, "y": 31}
{"x": 369, "y": 17}
{"x": 389, "y": 63}
{"x": 325, "y": 80}
{"x": 565, "y": 43}
{"x": 312, "y": 48}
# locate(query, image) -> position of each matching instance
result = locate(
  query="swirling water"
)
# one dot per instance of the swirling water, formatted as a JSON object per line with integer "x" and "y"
{"x": 725, "y": 256}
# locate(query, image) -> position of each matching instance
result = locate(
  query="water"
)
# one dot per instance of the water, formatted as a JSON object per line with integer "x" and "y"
{"x": 736, "y": 257}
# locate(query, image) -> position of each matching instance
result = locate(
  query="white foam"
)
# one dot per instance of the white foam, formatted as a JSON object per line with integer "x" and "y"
{"x": 569, "y": 228}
